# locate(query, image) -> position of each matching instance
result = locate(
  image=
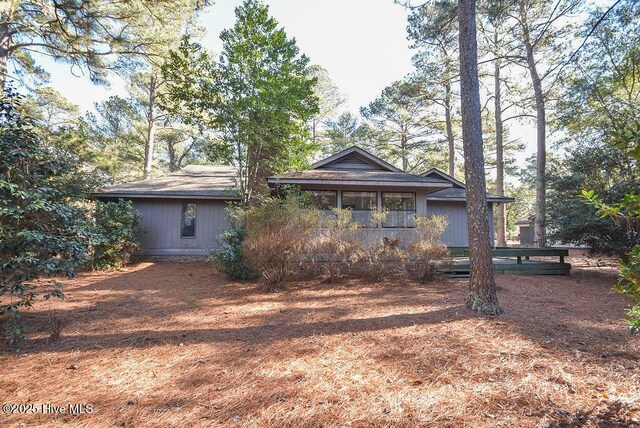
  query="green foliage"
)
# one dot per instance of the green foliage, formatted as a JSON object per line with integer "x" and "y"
{"x": 229, "y": 258}
{"x": 43, "y": 230}
{"x": 611, "y": 174}
{"x": 94, "y": 35}
{"x": 629, "y": 285}
{"x": 261, "y": 94}
{"x": 626, "y": 215}
{"x": 117, "y": 225}
{"x": 406, "y": 131}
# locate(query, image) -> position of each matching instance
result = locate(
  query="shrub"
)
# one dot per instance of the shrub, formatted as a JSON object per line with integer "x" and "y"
{"x": 277, "y": 232}
{"x": 118, "y": 227}
{"x": 426, "y": 249}
{"x": 335, "y": 246}
{"x": 281, "y": 239}
{"x": 229, "y": 258}
{"x": 629, "y": 285}
{"x": 43, "y": 230}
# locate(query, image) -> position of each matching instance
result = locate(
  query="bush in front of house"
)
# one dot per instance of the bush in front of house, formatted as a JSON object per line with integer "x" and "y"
{"x": 278, "y": 231}
{"x": 118, "y": 229}
{"x": 428, "y": 252}
{"x": 229, "y": 258}
{"x": 335, "y": 248}
{"x": 283, "y": 239}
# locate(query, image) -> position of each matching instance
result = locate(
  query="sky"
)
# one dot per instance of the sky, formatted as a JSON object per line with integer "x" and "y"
{"x": 362, "y": 44}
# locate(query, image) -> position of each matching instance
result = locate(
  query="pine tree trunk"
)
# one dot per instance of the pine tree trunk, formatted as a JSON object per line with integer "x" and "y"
{"x": 405, "y": 155}
{"x": 449, "y": 125}
{"x": 500, "y": 215}
{"x": 4, "y": 53}
{"x": 171, "y": 154}
{"x": 482, "y": 288}
{"x": 541, "y": 131}
{"x": 151, "y": 128}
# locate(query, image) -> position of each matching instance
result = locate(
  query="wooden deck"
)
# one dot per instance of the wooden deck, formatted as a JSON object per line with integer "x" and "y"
{"x": 514, "y": 261}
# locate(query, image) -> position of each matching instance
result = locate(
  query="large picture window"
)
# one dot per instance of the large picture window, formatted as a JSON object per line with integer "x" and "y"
{"x": 401, "y": 209}
{"x": 362, "y": 204}
{"x": 188, "y": 223}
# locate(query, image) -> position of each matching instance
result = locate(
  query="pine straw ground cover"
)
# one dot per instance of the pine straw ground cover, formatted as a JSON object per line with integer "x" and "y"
{"x": 178, "y": 345}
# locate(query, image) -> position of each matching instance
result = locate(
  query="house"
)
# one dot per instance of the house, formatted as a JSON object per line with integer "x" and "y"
{"x": 452, "y": 203}
{"x": 184, "y": 213}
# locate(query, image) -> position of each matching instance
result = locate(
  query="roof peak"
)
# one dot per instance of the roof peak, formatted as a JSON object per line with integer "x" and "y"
{"x": 368, "y": 157}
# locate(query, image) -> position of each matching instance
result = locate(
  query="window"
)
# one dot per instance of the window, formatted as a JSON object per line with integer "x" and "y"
{"x": 362, "y": 204}
{"x": 401, "y": 209}
{"x": 324, "y": 200}
{"x": 188, "y": 224}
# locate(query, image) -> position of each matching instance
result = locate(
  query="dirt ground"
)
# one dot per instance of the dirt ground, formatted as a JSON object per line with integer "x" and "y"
{"x": 179, "y": 345}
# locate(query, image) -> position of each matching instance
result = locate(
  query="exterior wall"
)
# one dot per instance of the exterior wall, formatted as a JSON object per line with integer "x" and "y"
{"x": 457, "y": 232}
{"x": 161, "y": 220}
{"x": 526, "y": 235}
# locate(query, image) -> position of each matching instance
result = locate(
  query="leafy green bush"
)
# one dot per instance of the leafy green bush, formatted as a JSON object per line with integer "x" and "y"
{"x": 117, "y": 225}
{"x": 625, "y": 214}
{"x": 44, "y": 231}
{"x": 229, "y": 258}
{"x": 629, "y": 285}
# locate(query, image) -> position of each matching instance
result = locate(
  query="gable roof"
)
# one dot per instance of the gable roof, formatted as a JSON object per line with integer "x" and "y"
{"x": 459, "y": 190}
{"x": 356, "y": 167}
{"x": 356, "y": 153}
{"x": 192, "y": 181}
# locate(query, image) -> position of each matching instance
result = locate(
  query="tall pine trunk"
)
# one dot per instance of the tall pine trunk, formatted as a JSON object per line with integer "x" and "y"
{"x": 500, "y": 214}
{"x": 482, "y": 288}
{"x": 405, "y": 152}
{"x": 541, "y": 135}
{"x": 151, "y": 127}
{"x": 449, "y": 125}
{"x": 4, "y": 52}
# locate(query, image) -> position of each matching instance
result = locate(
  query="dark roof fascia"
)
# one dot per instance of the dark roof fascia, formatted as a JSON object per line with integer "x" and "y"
{"x": 489, "y": 199}
{"x": 358, "y": 150}
{"x": 368, "y": 183}
{"x": 157, "y": 195}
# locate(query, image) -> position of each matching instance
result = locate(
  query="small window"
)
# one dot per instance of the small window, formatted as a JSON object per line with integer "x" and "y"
{"x": 401, "y": 209}
{"x": 188, "y": 225}
{"x": 362, "y": 204}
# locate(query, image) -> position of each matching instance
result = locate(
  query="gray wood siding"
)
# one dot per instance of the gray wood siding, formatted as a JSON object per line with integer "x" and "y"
{"x": 457, "y": 233}
{"x": 352, "y": 162}
{"x": 161, "y": 226}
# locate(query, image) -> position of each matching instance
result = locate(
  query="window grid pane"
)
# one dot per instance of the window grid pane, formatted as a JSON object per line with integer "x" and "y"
{"x": 188, "y": 224}
{"x": 362, "y": 204}
{"x": 324, "y": 200}
{"x": 401, "y": 207}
